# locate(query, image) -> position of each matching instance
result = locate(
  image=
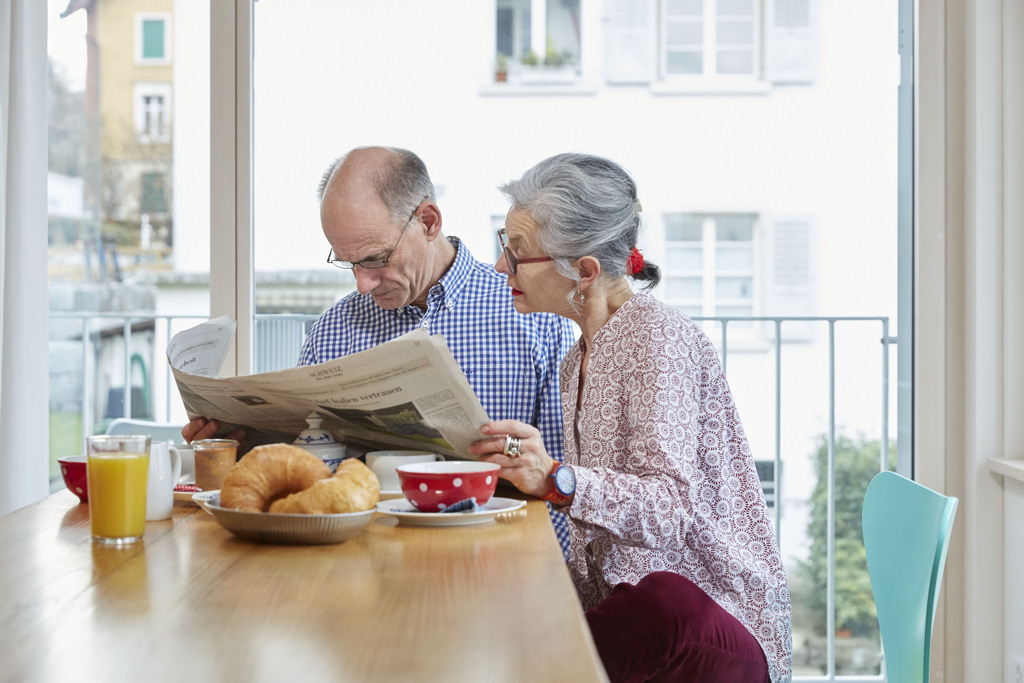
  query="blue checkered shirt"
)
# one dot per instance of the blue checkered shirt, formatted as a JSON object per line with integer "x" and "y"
{"x": 510, "y": 359}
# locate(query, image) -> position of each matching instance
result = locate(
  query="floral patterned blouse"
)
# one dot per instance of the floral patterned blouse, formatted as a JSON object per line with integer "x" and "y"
{"x": 665, "y": 480}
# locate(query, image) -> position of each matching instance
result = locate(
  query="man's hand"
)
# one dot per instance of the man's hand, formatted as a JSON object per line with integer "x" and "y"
{"x": 201, "y": 428}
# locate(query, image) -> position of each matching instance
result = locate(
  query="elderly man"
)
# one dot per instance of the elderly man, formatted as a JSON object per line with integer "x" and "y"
{"x": 378, "y": 212}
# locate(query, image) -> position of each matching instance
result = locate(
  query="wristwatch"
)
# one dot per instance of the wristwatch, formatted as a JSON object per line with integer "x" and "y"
{"x": 565, "y": 484}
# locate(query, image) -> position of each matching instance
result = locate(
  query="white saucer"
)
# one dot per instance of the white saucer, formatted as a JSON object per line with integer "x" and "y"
{"x": 184, "y": 496}
{"x": 407, "y": 514}
{"x": 204, "y": 498}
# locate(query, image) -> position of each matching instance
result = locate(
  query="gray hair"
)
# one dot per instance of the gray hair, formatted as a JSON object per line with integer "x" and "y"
{"x": 401, "y": 184}
{"x": 584, "y": 205}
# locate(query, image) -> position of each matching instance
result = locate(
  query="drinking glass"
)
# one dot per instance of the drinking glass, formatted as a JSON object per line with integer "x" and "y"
{"x": 214, "y": 457}
{"x": 118, "y": 473}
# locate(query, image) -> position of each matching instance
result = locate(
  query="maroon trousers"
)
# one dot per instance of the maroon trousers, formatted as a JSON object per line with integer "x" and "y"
{"x": 665, "y": 629}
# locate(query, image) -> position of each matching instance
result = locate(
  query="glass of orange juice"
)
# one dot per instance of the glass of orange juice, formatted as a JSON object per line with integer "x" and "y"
{"x": 118, "y": 469}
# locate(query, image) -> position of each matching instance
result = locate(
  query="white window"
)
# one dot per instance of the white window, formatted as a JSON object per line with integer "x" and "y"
{"x": 512, "y": 36}
{"x": 540, "y": 38}
{"x": 741, "y": 265}
{"x": 710, "y": 38}
{"x": 710, "y": 263}
{"x": 153, "y": 38}
{"x": 710, "y": 43}
{"x": 153, "y": 112}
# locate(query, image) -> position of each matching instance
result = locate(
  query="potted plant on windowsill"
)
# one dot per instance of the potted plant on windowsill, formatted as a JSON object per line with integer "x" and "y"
{"x": 556, "y": 68}
{"x": 529, "y": 59}
{"x": 500, "y": 68}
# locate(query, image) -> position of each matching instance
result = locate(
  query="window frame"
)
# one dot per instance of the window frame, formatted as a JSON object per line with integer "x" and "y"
{"x": 710, "y": 272}
{"x": 516, "y": 14}
{"x": 710, "y": 47}
{"x": 140, "y": 92}
{"x": 543, "y": 77}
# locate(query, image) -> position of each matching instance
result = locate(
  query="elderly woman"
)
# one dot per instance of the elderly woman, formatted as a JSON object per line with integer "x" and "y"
{"x": 671, "y": 546}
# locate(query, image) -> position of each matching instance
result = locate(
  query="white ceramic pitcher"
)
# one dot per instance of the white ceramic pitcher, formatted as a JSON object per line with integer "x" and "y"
{"x": 164, "y": 472}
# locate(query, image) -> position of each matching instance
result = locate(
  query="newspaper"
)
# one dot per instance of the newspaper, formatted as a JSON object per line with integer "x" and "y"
{"x": 407, "y": 393}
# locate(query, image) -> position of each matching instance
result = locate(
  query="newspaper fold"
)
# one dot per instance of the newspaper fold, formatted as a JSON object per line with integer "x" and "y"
{"x": 406, "y": 393}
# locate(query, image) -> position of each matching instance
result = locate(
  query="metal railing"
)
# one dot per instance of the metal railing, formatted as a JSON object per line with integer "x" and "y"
{"x": 278, "y": 342}
{"x": 279, "y": 339}
{"x": 885, "y": 343}
{"x": 777, "y": 323}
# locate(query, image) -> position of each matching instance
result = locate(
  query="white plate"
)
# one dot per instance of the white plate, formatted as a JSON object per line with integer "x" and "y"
{"x": 407, "y": 514}
{"x": 293, "y": 529}
{"x": 185, "y": 496}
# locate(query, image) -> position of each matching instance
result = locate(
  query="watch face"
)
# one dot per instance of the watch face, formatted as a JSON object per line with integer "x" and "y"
{"x": 565, "y": 480}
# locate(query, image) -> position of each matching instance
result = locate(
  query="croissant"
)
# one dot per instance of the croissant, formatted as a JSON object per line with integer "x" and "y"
{"x": 353, "y": 488}
{"x": 269, "y": 472}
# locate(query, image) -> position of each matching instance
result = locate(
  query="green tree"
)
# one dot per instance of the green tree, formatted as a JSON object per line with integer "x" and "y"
{"x": 856, "y": 462}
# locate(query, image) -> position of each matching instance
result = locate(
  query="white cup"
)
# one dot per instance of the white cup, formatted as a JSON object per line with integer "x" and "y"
{"x": 383, "y": 464}
{"x": 164, "y": 472}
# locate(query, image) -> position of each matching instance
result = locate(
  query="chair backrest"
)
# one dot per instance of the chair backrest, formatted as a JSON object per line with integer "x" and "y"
{"x": 906, "y": 535}
{"x": 158, "y": 431}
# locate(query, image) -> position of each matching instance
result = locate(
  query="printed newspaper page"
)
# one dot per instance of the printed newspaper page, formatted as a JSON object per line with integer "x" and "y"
{"x": 406, "y": 393}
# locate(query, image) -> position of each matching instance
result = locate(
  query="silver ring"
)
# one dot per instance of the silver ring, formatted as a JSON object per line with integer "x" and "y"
{"x": 512, "y": 444}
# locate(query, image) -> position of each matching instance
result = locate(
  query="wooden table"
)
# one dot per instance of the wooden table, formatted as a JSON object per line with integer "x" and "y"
{"x": 192, "y": 602}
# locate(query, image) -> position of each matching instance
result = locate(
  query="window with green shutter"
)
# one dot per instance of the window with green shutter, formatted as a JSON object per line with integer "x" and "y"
{"x": 153, "y": 39}
{"x": 153, "y": 198}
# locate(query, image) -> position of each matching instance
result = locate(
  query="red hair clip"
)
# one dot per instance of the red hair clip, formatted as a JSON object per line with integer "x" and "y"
{"x": 636, "y": 262}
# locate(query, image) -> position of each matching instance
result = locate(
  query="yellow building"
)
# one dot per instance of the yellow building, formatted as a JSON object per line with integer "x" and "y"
{"x": 130, "y": 101}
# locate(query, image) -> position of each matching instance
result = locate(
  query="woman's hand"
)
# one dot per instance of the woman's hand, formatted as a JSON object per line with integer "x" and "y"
{"x": 528, "y": 472}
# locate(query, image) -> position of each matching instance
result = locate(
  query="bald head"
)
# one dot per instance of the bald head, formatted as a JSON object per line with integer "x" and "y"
{"x": 395, "y": 177}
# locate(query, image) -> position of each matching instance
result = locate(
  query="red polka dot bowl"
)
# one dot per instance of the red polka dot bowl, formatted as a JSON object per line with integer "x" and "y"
{"x": 72, "y": 468}
{"x": 434, "y": 486}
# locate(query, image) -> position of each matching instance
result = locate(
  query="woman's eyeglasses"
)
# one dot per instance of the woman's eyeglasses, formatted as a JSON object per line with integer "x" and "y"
{"x": 511, "y": 259}
{"x": 373, "y": 263}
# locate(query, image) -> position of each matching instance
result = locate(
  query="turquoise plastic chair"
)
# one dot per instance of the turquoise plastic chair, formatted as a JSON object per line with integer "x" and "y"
{"x": 906, "y": 535}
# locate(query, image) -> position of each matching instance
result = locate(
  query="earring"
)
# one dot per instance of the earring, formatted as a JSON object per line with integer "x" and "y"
{"x": 578, "y": 297}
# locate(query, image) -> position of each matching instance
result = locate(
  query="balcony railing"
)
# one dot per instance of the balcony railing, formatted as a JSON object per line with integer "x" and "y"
{"x": 119, "y": 353}
{"x": 771, "y": 475}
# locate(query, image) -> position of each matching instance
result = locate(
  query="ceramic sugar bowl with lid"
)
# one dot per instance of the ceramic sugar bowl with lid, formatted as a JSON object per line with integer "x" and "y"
{"x": 320, "y": 443}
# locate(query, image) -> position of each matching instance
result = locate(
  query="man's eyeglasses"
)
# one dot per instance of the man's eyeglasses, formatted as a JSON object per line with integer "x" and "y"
{"x": 511, "y": 259}
{"x": 373, "y": 263}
